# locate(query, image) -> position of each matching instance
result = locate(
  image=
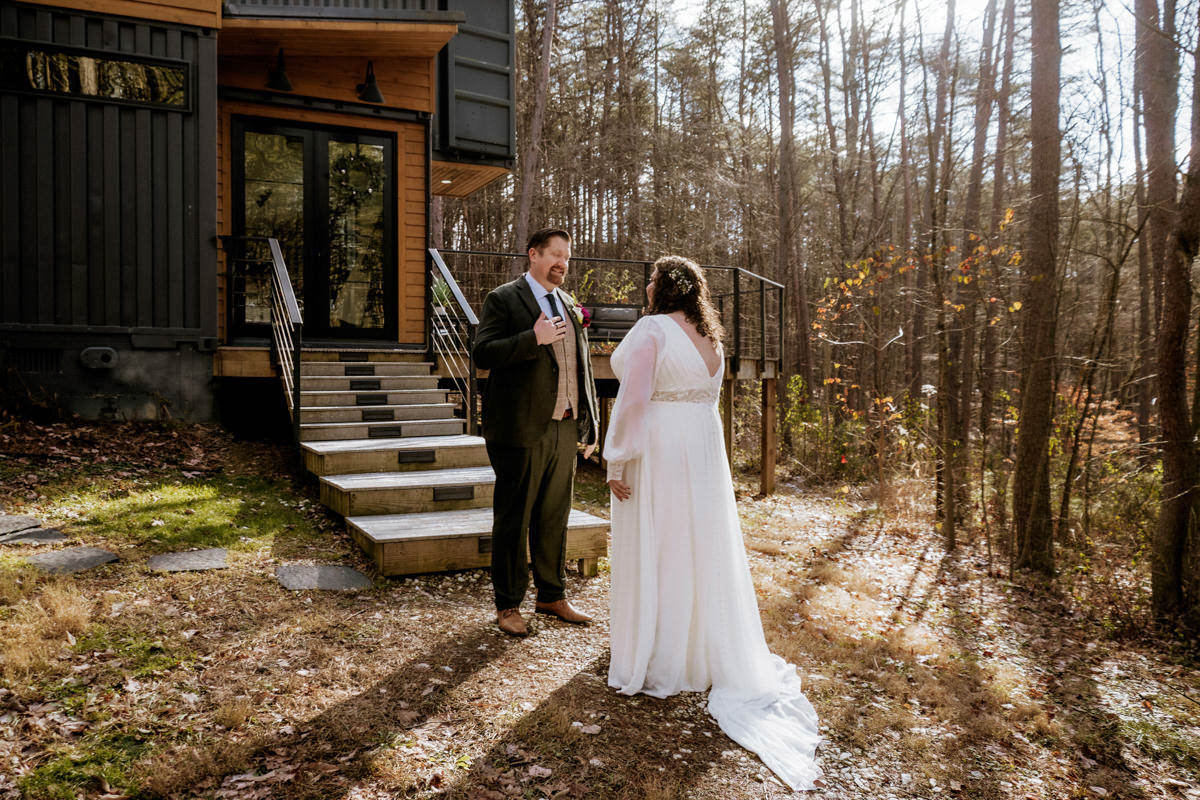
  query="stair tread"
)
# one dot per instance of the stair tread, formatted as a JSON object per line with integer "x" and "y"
{"x": 359, "y": 423}
{"x": 324, "y": 392}
{"x": 310, "y": 348}
{"x": 446, "y": 524}
{"x": 371, "y": 363}
{"x": 331, "y": 378}
{"x": 454, "y": 476}
{"x": 411, "y": 443}
{"x": 391, "y": 406}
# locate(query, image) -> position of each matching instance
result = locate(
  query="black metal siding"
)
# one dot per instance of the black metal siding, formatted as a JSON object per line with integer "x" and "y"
{"x": 476, "y": 109}
{"x": 108, "y": 212}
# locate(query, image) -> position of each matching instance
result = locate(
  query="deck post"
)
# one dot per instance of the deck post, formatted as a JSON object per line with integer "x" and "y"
{"x": 727, "y": 414}
{"x": 767, "y": 436}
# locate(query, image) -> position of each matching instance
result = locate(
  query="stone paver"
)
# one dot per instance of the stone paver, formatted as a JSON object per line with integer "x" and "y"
{"x": 72, "y": 559}
{"x": 192, "y": 560}
{"x": 12, "y": 523}
{"x": 321, "y": 576}
{"x": 35, "y": 536}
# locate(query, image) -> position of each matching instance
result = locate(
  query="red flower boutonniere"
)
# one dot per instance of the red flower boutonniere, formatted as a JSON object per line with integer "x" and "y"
{"x": 582, "y": 315}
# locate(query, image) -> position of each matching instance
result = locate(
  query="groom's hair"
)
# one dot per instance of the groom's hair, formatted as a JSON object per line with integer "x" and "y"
{"x": 539, "y": 239}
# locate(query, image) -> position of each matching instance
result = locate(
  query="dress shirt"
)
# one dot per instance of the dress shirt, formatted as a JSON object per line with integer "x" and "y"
{"x": 539, "y": 294}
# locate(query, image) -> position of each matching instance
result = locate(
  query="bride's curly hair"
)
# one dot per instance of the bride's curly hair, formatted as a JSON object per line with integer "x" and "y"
{"x": 679, "y": 285}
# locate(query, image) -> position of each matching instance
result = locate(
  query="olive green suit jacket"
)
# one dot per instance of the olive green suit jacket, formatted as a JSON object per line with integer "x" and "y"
{"x": 522, "y": 382}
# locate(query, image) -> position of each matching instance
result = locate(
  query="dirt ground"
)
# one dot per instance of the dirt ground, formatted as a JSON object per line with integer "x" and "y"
{"x": 931, "y": 678}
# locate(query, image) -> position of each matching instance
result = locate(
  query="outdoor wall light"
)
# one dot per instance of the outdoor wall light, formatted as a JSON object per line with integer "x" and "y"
{"x": 368, "y": 90}
{"x": 278, "y": 79}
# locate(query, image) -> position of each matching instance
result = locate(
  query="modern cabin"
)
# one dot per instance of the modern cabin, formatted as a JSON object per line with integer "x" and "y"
{"x": 147, "y": 144}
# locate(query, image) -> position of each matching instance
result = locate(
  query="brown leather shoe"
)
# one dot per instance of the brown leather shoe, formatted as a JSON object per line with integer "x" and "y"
{"x": 563, "y": 610}
{"x": 511, "y": 622}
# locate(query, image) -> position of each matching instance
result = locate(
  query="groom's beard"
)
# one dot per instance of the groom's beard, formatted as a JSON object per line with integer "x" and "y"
{"x": 556, "y": 276}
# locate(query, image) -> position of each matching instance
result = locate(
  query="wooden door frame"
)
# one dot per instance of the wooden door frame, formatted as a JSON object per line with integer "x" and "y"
{"x": 316, "y": 235}
{"x": 412, "y": 133}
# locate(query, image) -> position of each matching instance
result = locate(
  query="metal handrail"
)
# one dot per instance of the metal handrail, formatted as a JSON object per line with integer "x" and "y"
{"x": 285, "y": 282}
{"x": 287, "y": 323}
{"x": 454, "y": 346}
{"x": 626, "y": 261}
{"x": 755, "y": 284}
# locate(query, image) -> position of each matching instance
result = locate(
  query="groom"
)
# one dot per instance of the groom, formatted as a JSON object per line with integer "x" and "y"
{"x": 540, "y": 401}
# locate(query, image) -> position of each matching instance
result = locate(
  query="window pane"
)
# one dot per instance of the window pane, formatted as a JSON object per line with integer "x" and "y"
{"x": 90, "y": 75}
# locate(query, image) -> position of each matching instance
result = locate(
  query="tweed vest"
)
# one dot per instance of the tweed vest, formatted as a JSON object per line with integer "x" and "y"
{"x": 567, "y": 356}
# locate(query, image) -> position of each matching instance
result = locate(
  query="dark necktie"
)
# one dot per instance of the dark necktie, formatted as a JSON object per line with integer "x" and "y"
{"x": 554, "y": 307}
{"x": 553, "y": 304}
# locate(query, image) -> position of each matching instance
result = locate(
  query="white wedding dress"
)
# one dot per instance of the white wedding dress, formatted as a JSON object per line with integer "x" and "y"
{"x": 684, "y": 616}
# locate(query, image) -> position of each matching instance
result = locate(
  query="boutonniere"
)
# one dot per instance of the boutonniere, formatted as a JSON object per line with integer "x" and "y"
{"x": 582, "y": 315}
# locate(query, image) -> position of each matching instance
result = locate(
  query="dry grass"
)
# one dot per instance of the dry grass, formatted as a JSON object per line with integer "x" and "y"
{"x": 39, "y": 627}
{"x": 234, "y": 712}
{"x": 13, "y": 583}
{"x": 175, "y": 769}
{"x": 654, "y": 786}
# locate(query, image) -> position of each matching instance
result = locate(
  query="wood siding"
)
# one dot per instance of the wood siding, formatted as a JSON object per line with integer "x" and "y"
{"x": 201, "y": 13}
{"x": 331, "y": 7}
{"x": 106, "y": 211}
{"x": 326, "y": 37}
{"x": 405, "y": 82}
{"x": 411, "y": 205}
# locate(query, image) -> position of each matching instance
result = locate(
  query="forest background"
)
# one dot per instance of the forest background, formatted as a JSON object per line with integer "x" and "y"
{"x": 985, "y": 219}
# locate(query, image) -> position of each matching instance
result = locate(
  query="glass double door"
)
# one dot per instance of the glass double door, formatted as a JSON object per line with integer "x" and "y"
{"x": 328, "y": 196}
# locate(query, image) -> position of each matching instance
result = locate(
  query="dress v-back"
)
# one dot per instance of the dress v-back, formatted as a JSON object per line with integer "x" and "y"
{"x": 683, "y": 612}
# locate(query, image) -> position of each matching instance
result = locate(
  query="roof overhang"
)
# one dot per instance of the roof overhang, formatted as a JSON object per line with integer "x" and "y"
{"x": 461, "y": 180}
{"x": 321, "y": 36}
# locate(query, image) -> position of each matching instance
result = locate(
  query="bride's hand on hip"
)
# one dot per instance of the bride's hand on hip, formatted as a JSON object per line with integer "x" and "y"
{"x": 620, "y": 489}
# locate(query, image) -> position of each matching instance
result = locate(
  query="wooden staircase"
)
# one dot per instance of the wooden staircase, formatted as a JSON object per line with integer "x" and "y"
{"x": 396, "y": 462}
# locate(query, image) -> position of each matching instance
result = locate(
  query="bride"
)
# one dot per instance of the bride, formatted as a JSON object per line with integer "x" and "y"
{"x": 683, "y": 612}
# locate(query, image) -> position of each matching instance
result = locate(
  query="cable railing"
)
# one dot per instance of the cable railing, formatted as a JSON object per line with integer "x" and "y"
{"x": 751, "y": 306}
{"x": 452, "y": 323}
{"x": 261, "y": 294}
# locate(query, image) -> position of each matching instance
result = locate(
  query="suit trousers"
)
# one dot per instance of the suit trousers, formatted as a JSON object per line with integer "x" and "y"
{"x": 531, "y": 505}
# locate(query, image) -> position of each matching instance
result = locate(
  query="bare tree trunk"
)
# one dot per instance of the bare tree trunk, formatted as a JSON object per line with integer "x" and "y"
{"x": 973, "y": 248}
{"x": 1160, "y": 101}
{"x": 437, "y": 222}
{"x": 912, "y": 350}
{"x": 1031, "y": 479}
{"x": 935, "y": 203}
{"x": 839, "y": 189}
{"x": 787, "y": 262}
{"x": 1175, "y": 569}
{"x": 1146, "y": 275}
{"x": 987, "y": 372}
{"x": 531, "y": 144}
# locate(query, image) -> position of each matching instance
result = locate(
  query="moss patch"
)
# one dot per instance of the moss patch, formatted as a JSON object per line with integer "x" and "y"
{"x": 99, "y": 762}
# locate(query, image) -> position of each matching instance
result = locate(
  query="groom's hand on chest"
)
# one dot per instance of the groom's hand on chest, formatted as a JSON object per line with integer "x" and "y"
{"x": 549, "y": 331}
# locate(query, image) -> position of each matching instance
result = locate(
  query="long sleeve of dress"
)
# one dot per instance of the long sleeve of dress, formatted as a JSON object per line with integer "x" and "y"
{"x": 634, "y": 362}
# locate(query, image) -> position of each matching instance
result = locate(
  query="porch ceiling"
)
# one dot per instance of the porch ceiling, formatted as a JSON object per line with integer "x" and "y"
{"x": 325, "y": 37}
{"x": 460, "y": 180}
